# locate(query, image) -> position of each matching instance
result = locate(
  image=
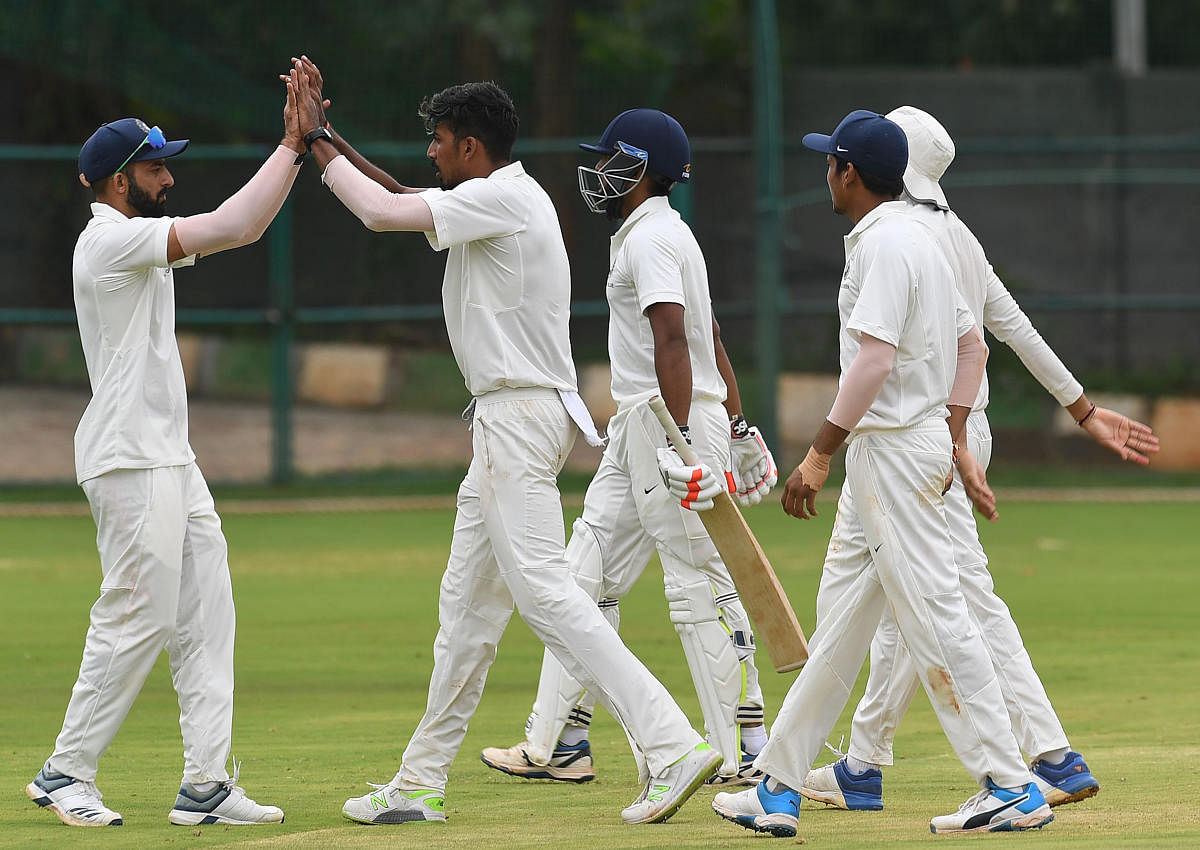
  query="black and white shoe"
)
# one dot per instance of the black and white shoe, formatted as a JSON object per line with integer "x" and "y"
{"x": 75, "y": 802}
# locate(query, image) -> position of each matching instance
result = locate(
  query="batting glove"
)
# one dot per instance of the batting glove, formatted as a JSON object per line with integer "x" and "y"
{"x": 694, "y": 486}
{"x": 754, "y": 467}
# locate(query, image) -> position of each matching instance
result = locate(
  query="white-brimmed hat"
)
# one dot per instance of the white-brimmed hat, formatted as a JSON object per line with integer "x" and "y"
{"x": 930, "y": 152}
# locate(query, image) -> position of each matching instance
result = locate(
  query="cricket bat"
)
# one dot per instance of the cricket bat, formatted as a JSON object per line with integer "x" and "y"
{"x": 757, "y": 585}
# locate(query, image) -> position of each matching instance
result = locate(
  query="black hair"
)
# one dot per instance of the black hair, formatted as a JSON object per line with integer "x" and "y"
{"x": 891, "y": 187}
{"x": 659, "y": 186}
{"x": 483, "y": 110}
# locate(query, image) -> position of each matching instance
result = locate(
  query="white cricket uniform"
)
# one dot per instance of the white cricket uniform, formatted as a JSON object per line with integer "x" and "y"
{"x": 654, "y": 258}
{"x": 891, "y": 542}
{"x": 893, "y": 680}
{"x": 162, "y": 554}
{"x": 506, "y": 294}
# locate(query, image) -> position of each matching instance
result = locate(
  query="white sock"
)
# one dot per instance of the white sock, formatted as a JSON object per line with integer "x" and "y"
{"x": 858, "y": 765}
{"x": 774, "y": 786}
{"x": 1054, "y": 756}
{"x": 572, "y": 735}
{"x": 203, "y": 787}
{"x": 754, "y": 738}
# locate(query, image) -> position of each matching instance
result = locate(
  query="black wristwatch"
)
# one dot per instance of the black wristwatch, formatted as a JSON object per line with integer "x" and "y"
{"x": 319, "y": 133}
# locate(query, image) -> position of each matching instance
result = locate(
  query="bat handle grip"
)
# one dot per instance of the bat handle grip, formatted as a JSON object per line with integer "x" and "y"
{"x": 686, "y": 452}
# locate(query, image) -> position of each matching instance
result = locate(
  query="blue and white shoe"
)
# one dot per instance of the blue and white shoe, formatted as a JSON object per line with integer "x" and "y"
{"x": 1069, "y": 781}
{"x": 75, "y": 802}
{"x": 996, "y": 809}
{"x": 747, "y": 773}
{"x": 760, "y": 810}
{"x": 226, "y": 803}
{"x": 568, "y": 762}
{"x": 836, "y": 785}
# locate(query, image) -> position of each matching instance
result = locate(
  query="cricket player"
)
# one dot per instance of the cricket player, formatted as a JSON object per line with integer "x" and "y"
{"x": 664, "y": 341}
{"x": 909, "y": 349}
{"x": 506, "y": 294}
{"x": 855, "y": 781}
{"x": 163, "y": 557}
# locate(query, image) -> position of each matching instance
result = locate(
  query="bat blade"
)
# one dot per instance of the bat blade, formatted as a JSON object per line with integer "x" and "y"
{"x": 752, "y": 574}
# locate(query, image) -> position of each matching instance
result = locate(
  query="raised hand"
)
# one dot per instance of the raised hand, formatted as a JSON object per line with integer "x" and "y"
{"x": 316, "y": 81}
{"x": 309, "y": 110}
{"x": 293, "y": 136}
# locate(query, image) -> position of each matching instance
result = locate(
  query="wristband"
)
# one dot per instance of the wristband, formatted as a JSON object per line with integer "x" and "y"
{"x": 319, "y": 133}
{"x": 954, "y": 449}
{"x": 1086, "y": 416}
{"x": 738, "y": 427}
{"x": 687, "y": 436}
{"x": 814, "y": 469}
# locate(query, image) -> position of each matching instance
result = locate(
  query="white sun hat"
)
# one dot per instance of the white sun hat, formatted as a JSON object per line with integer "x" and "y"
{"x": 930, "y": 152}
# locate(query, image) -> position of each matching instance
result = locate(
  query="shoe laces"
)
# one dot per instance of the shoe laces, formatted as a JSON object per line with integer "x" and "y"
{"x": 90, "y": 786}
{"x": 973, "y": 801}
{"x": 837, "y": 751}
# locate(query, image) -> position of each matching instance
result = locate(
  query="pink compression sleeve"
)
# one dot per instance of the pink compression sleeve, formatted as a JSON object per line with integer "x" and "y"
{"x": 375, "y": 206}
{"x": 972, "y": 360}
{"x": 864, "y": 379}
{"x": 243, "y": 217}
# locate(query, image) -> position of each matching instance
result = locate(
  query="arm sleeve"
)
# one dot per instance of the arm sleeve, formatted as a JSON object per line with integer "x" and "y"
{"x": 375, "y": 206}
{"x": 864, "y": 379}
{"x": 1009, "y": 324}
{"x": 972, "y": 360}
{"x": 244, "y": 215}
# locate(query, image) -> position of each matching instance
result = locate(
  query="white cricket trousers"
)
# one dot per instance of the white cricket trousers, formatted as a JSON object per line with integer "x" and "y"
{"x": 893, "y": 680}
{"x": 891, "y": 544}
{"x": 508, "y": 548}
{"x": 629, "y": 515}
{"x": 166, "y": 586}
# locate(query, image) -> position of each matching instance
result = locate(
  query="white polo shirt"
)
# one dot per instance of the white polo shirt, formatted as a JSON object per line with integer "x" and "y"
{"x": 898, "y": 287}
{"x": 507, "y": 287}
{"x": 994, "y": 307}
{"x": 654, "y": 258}
{"x": 125, "y": 302}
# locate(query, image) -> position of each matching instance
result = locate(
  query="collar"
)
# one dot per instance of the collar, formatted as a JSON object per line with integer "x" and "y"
{"x": 876, "y": 215}
{"x": 651, "y": 205}
{"x": 513, "y": 169}
{"x": 103, "y": 210}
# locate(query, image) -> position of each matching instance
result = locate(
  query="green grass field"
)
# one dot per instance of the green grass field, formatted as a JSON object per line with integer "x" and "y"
{"x": 336, "y": 620}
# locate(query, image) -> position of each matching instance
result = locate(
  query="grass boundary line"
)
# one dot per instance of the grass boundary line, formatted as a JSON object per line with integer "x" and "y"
{"x": 362, "y": 504}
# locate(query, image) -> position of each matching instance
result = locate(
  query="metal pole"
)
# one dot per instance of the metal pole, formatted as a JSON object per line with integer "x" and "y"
{"x": 281, "y": 316}
{"x": 768, "y": 158}
{"x": 1129, "y": 37}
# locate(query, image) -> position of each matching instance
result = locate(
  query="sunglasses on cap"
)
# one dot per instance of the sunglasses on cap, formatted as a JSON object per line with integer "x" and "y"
{"x": 154, "y": 138}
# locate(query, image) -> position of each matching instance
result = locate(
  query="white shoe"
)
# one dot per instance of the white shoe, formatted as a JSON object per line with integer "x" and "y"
{"x": 665, "y": 793}
{"x": 836, "y": 785}
{"x": 760, "y": 810}
{"x": 227, "y": 803}
{"x": 996, "y": 809}
{"x": 389, "y": 804}
{"x": 77, "y": 803}
{"x": 568, "y": 763}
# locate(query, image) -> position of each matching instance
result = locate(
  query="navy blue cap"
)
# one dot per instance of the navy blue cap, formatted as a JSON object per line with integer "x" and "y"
{"x": 657, "y": 133}
{"x": 874, "y": 144}
{"x": 109, "y": 149}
